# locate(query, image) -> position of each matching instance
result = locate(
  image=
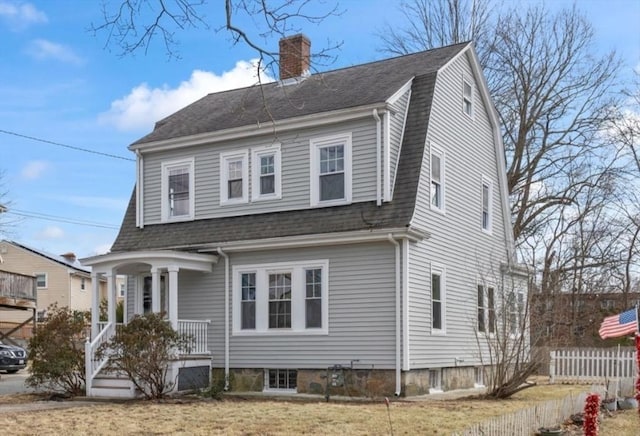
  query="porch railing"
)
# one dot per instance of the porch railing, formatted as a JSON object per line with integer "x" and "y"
{"x": 93, "y": 365}
{"x": 196, "y": 329}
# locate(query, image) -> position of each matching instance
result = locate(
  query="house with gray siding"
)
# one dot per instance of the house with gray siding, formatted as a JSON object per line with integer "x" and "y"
{"x": 341, "y": 232}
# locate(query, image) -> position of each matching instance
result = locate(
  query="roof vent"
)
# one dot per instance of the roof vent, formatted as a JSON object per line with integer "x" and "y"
{"x": 71, "y": 257}
{"x": 295, "y": 56}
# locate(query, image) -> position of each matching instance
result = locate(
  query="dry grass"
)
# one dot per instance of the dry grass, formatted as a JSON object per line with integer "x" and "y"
{"x": 242, "y": 416}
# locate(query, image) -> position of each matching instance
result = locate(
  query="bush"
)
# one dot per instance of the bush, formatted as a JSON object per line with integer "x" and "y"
{"x": 143, "y": 349}
{"x": 57, "y": 351}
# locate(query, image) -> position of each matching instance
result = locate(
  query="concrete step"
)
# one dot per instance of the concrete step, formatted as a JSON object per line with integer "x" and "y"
{"x": 111, "y": 392}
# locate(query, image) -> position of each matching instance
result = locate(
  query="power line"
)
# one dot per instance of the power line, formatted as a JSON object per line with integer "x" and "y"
{"x": 60, "y": 219}
{"x": 72, "y": 147}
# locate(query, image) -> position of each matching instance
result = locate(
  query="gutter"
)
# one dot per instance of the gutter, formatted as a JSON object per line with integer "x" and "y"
{"x": 378, "y": 156}
{"x": 226, "y": 317}
{"x": 139, "y": 190}
{"x": 398, "y": 324}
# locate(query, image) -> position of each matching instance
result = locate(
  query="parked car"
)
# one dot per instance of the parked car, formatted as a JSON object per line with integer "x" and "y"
{"x": 12, "y": 358}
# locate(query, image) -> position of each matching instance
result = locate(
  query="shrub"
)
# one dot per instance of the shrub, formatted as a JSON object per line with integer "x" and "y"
{"x": 143, "y": 349}
{"x": 57, "y": 351}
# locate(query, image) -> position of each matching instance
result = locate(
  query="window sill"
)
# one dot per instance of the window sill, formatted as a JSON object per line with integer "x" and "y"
{"x": 232, "y": 202}
{"x": 330, "y": 203}
{"x": 266, "y": 198}
{"x": 438, "y": 332}
{"x": 178, "y": 219}
{"x": 282, "y": 332}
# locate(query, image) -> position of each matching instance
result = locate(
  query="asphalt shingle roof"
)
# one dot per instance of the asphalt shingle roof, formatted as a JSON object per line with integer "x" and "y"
{"x": 349, "y": 87}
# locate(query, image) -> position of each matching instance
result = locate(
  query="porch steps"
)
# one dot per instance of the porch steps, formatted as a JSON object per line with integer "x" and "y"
{"x": 112, "y": 385}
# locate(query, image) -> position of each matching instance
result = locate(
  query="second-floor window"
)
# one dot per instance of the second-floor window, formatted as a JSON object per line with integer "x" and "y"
{"x": 467, "y": 97}
{"x": 177, "y": 190}
{"x": 486, "y": 205}
{"x": 266, "y": 173}
{"x": 486, "y": 309}
{"x": 331, "y": 170}
{"x": 82, "y": 284}
{"x": 41, "y": 280}
{"x": 437, "y": 179}
{"x": 234, "y": 184}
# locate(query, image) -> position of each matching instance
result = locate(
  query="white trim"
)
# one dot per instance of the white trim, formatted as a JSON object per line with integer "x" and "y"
{"x": 486, "y": 181}
{"x": 404, "y": 126}
{"x": 297, "y": 270}
{"x": 46, "y": 280}
{"x": 281, "y": 126}
{"x": 225, "y": 158}
{"x": 315, "y": 145}
{"x": 156, "y": 258}
{"x": 400, "y": 92}
{"x": 256, "y": 154}
{"x": 437, "y": 151}
{"x": 387, "y": 156}
{"x": 485, "y": 308}
{"x": 139, "y": 190}
{"x": 441, "y": 272}
{"x": 166, "y": 166}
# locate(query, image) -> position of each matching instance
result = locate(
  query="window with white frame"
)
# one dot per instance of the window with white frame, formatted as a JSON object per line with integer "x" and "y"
{"x": 478, "y": 372}
{"x": 265, "y": 173}
{"x": 331, "y": 170}
{"x": 281, "y": 298}
{"x": 487, "y": 215}
{"x": 437, "y": 300}
{"x": 41, "y": 280}
{"x": 82, "y": 284}
{"x": 177, "y": 190}
{"x": 515, "y": 311}
{"x": 122, "y": 289}
{"x": 437, "y": 179}
{"x": 234, "y": 181}
{"x": 467, "y": 97}
{"x": 281, "y": 379}
{"x": 486, "y": 309}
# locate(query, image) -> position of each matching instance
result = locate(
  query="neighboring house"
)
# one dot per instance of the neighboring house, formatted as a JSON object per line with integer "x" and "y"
{"x": 59, "y": 279}
{"x": 343, "y": 228}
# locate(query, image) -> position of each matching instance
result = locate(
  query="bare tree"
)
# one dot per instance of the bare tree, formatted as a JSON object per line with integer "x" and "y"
{"x": 135, "y": 25}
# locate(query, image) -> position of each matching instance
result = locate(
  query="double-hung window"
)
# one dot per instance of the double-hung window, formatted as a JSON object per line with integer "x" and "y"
{"x": 437, "y": 300}
{"x": 281, "y": 298}
{"x": 177, "y": 190}
{"x": 515, "y": 311}
{"x": 331, "y": 170}
{"x": 41, "y": 280}
{"x": 486, "y": 309}
{"x": 265, "y": 173}
{"x": 486, "y": 216}
{"x": 437, "y": 179}
{"x": 234, "y": 183}
{"x": 467, "y": 97}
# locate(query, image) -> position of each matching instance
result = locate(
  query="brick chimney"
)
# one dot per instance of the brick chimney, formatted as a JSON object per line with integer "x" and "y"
{"x": 295, "y": 54}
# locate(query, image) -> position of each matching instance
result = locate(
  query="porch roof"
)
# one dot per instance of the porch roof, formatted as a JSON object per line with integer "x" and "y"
{"x": 123, "y": 262}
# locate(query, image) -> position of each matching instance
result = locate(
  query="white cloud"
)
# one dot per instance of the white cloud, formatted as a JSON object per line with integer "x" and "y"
{"x": 50, "y": 232}
{"x": 139, "y": 110}
{"x": 34, "y": 169}
{"x": 20, "y": 16}
{"x": 43, "y": 50}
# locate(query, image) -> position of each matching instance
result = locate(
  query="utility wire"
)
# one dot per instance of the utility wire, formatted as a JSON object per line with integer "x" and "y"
{"x": 60, "y": 219}
{"x": 46, "y": 141}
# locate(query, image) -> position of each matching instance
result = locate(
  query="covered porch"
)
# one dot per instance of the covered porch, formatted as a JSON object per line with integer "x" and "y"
{"x": 151, "y": 287}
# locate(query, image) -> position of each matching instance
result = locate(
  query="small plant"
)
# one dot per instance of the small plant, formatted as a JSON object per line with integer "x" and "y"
{"x": 591, "y": 409}
{"x": 386, "y": 401}
{"x": 57, "y": 351}
{"x": 143, "y": 349}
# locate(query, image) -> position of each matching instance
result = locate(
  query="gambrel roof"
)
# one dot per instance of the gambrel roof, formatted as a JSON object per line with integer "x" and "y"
{"x": 353, "y": 87}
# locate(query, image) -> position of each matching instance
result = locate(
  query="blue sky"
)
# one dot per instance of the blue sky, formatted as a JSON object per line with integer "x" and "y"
{"x": 59, "y": 83}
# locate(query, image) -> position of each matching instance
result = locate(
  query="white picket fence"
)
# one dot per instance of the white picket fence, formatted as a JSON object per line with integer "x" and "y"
{"x": 614, "y": 367}
{"x": 526, "y": 422}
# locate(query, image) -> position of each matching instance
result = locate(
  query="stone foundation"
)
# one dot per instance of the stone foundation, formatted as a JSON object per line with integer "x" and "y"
{"x": 344, "y": 381}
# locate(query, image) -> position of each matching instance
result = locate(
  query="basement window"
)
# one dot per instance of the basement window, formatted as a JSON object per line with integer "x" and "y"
{"x": 281, "y": 380}
{"x": 435, "y": 380}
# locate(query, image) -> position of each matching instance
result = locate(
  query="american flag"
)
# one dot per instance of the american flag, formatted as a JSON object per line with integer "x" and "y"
{"x": 619, "y": 325}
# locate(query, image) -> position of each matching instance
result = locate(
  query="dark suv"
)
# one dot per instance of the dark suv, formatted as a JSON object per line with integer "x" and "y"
{"x": 12, "y": 359}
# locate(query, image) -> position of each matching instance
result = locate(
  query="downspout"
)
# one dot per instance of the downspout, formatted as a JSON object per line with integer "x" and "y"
{"x": 139, "y": 190}
{"x": 398, "y": 323}
{"x": 378, "y": 156}
{"x": 226, "y": 317}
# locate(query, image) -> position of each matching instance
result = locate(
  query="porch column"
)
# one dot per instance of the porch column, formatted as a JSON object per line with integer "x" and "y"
{"x": 155, "y": 290}
{"x": 111, "y": 306}
{"x": 95, "y": 304}
{"x": 173, "y": 296}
